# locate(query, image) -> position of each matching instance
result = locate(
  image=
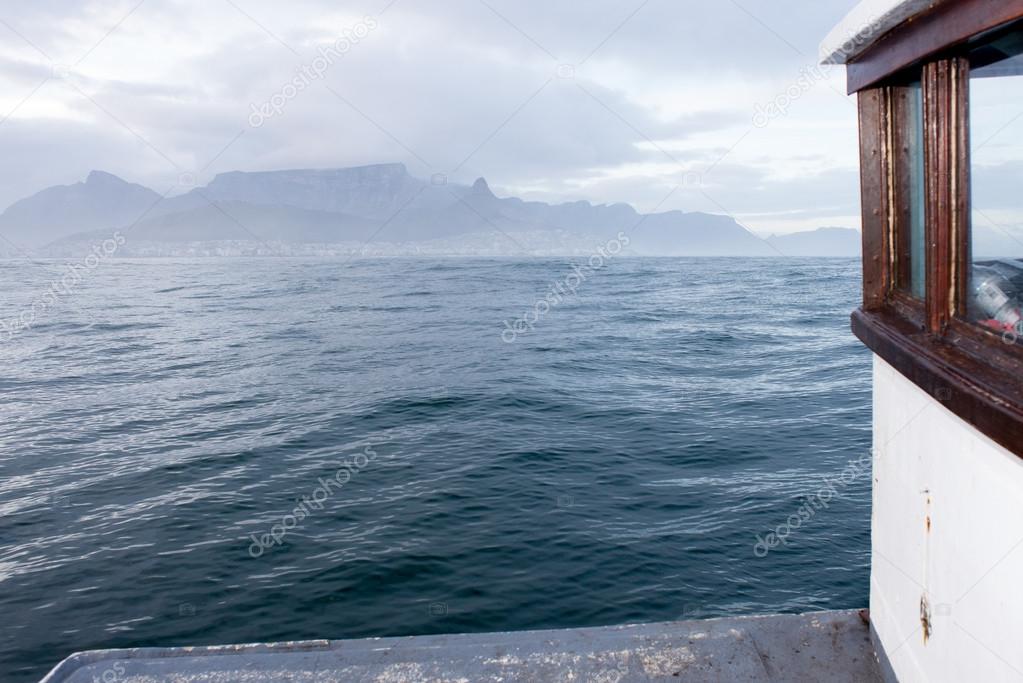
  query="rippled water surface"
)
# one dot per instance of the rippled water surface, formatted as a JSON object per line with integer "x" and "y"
{"x": 615, "y": 464}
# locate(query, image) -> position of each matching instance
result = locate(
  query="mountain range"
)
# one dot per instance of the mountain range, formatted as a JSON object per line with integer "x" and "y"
{"x": 379, "y": 210}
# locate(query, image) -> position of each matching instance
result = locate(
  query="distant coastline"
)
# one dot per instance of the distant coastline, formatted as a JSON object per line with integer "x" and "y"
{"x": 379, "y": 210}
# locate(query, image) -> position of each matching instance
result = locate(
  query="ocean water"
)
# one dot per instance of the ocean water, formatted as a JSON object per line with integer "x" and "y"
{"x": 234, "y": 450}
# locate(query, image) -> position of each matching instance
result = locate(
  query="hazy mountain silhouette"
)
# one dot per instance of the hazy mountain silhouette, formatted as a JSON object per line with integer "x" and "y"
{"x": 381, "y": 203}
{"x": 820, "y": 242}
{"x": 102, "y": 201}
{"x": 232, "y": 220}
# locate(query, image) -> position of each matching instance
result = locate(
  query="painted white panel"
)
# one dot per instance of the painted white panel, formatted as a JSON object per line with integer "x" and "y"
{"x": 947, "y": 531}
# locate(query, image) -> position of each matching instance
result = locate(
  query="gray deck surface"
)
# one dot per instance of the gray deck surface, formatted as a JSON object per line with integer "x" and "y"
{"x": 824, "y": 646}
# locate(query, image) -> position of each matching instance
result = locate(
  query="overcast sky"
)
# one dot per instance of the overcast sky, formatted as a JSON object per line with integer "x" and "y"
{"x": 605, "y": 100}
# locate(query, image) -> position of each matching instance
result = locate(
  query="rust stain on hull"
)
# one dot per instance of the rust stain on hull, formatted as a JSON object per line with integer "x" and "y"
{"x": 925, "y": 618}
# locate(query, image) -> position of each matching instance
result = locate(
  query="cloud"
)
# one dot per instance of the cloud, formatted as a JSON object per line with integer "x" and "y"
{"x": 611, "y": 101}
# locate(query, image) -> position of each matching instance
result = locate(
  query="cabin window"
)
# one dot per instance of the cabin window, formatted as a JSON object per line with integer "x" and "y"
{"x": 996, "y": 170}
{"x": 911, "y": 267}
{"x": 941, "y": 145}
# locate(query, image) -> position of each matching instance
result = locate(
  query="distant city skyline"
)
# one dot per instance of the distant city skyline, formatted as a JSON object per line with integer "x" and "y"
{"x": 649, "y": 103}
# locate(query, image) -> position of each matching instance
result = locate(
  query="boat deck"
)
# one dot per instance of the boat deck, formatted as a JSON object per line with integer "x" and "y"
{"x": 823, "y": 646}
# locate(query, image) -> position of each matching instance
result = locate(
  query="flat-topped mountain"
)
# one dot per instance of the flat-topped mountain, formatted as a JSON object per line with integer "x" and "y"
{"x": 369, "y": 191}
{"x": 383, "y": 204}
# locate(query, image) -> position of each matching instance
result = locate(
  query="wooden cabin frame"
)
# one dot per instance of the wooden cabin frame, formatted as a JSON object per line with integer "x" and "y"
{"x": 929, "y": 340}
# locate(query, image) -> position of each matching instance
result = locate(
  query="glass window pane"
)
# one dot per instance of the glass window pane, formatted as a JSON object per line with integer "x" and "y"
{"x": 909, "y": 194}
{"x": 996, "y": 147}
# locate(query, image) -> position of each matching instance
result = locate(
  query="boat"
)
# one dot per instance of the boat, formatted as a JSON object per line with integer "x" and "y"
{"x": 944, "y": 325}
{"x": 935, "y": 84}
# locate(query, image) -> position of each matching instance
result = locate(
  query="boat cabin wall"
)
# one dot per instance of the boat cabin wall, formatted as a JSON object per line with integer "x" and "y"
{"x": 947, "y": 541}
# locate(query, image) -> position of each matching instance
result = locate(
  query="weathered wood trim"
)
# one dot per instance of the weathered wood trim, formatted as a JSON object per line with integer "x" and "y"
{"x": 973, "y": 389}
{"x": 947, "y": 26}
{"x": 961, "y": 232}
{"x": 940, "y": 82}
{"x": 875, "y": 174}
{"x": 900, "y": 228}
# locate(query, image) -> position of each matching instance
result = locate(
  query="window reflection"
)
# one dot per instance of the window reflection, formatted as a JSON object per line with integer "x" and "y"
{"x": 996, "y": 148}
{"x": 996, "y": 291}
